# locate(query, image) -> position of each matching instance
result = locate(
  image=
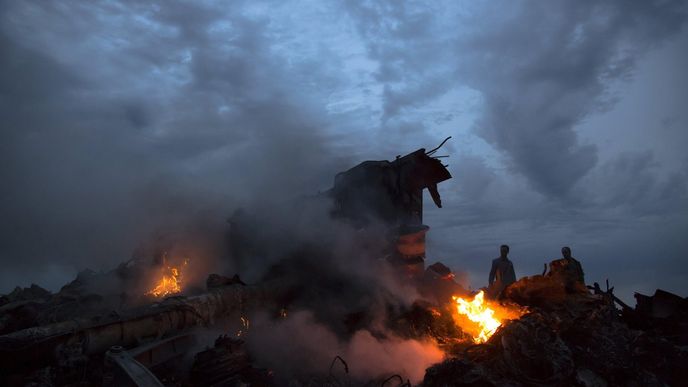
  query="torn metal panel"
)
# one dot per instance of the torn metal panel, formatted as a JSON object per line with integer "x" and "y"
{"x": 390, "y": 191}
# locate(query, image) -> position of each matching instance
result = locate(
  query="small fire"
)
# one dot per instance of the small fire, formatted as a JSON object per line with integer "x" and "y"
{"x": 171, "y": 281}
{"x": 245, "y": 324}
{"x": 481, "y": 320}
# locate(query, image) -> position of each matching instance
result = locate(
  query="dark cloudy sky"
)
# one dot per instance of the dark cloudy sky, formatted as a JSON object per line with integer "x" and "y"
{"x": 569, "y": 124}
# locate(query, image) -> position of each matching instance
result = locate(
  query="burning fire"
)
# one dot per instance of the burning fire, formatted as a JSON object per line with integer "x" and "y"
{"x": 171, "y": 281}
{"x": 480, "y": 318}
{"x": 245, "y": 324}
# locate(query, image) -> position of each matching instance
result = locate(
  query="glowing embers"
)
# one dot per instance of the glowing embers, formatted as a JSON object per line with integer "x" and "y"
{"x": 170, "y": 281}
{"x": 481, "y": 318}
{"x": 245, "y": 325}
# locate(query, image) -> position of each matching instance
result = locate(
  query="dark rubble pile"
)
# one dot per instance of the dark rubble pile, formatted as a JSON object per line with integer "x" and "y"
{"x": 90, "y": 294}
{"x": 227, "y": 363}
{"x": 573, "y": 339}
{"x": 570, "y": 336}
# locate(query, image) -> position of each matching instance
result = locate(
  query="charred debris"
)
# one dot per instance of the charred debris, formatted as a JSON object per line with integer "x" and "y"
{"x": 142, "y": 325}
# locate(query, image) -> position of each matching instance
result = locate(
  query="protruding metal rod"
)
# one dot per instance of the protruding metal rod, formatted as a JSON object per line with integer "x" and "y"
{"x": 438, "y": 147}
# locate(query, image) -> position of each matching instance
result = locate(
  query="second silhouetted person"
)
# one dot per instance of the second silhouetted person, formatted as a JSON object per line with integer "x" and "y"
{"x": 502, "y": 273}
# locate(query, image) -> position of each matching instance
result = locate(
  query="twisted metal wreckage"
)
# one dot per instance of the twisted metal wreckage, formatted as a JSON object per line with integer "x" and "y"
{"x": 562, "y": 336}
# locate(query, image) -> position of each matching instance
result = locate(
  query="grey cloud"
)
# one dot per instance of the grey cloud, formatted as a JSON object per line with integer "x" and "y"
{"x": 632, "y": 184}
{"x": 115, "y": 125}
{"x": 121, "y": 116}
{"x": 403, "y": 39}
{"x": 549, "y": 66}
{"x": 542, "y": 68}
{"x": 628, "y": 179}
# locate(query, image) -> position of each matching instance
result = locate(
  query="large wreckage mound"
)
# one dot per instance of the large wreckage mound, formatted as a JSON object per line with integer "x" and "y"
{"x": 576, "y": 338}
{"x": 556, "y": 336}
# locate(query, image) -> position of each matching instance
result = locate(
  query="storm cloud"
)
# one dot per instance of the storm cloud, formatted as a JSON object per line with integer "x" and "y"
{"x": 119, "y": 118}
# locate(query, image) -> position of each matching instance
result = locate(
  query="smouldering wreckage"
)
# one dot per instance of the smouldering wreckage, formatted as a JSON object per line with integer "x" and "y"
{"x": 539, "y": 332}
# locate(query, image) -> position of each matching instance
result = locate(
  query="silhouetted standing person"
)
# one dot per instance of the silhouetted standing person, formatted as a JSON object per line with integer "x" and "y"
{"x": 502, "y": 273}
{"x": 569, "y": 270}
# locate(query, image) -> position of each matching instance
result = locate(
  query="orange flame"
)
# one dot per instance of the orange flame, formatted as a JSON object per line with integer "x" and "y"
{"x": 481, "y": 320}
{"x": 170, "y": 283}
{"x": 245, "y": 325}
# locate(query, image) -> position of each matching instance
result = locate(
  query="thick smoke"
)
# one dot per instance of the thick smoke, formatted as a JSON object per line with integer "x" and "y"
{"x": 327, "y": 276}
{"x": 299, "y": 345}
{"x": 96, "y": 159}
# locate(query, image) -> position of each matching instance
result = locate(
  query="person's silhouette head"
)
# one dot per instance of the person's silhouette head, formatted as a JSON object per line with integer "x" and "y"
{"x": 566, "y": 252}
{"x": 503, "y": 251}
